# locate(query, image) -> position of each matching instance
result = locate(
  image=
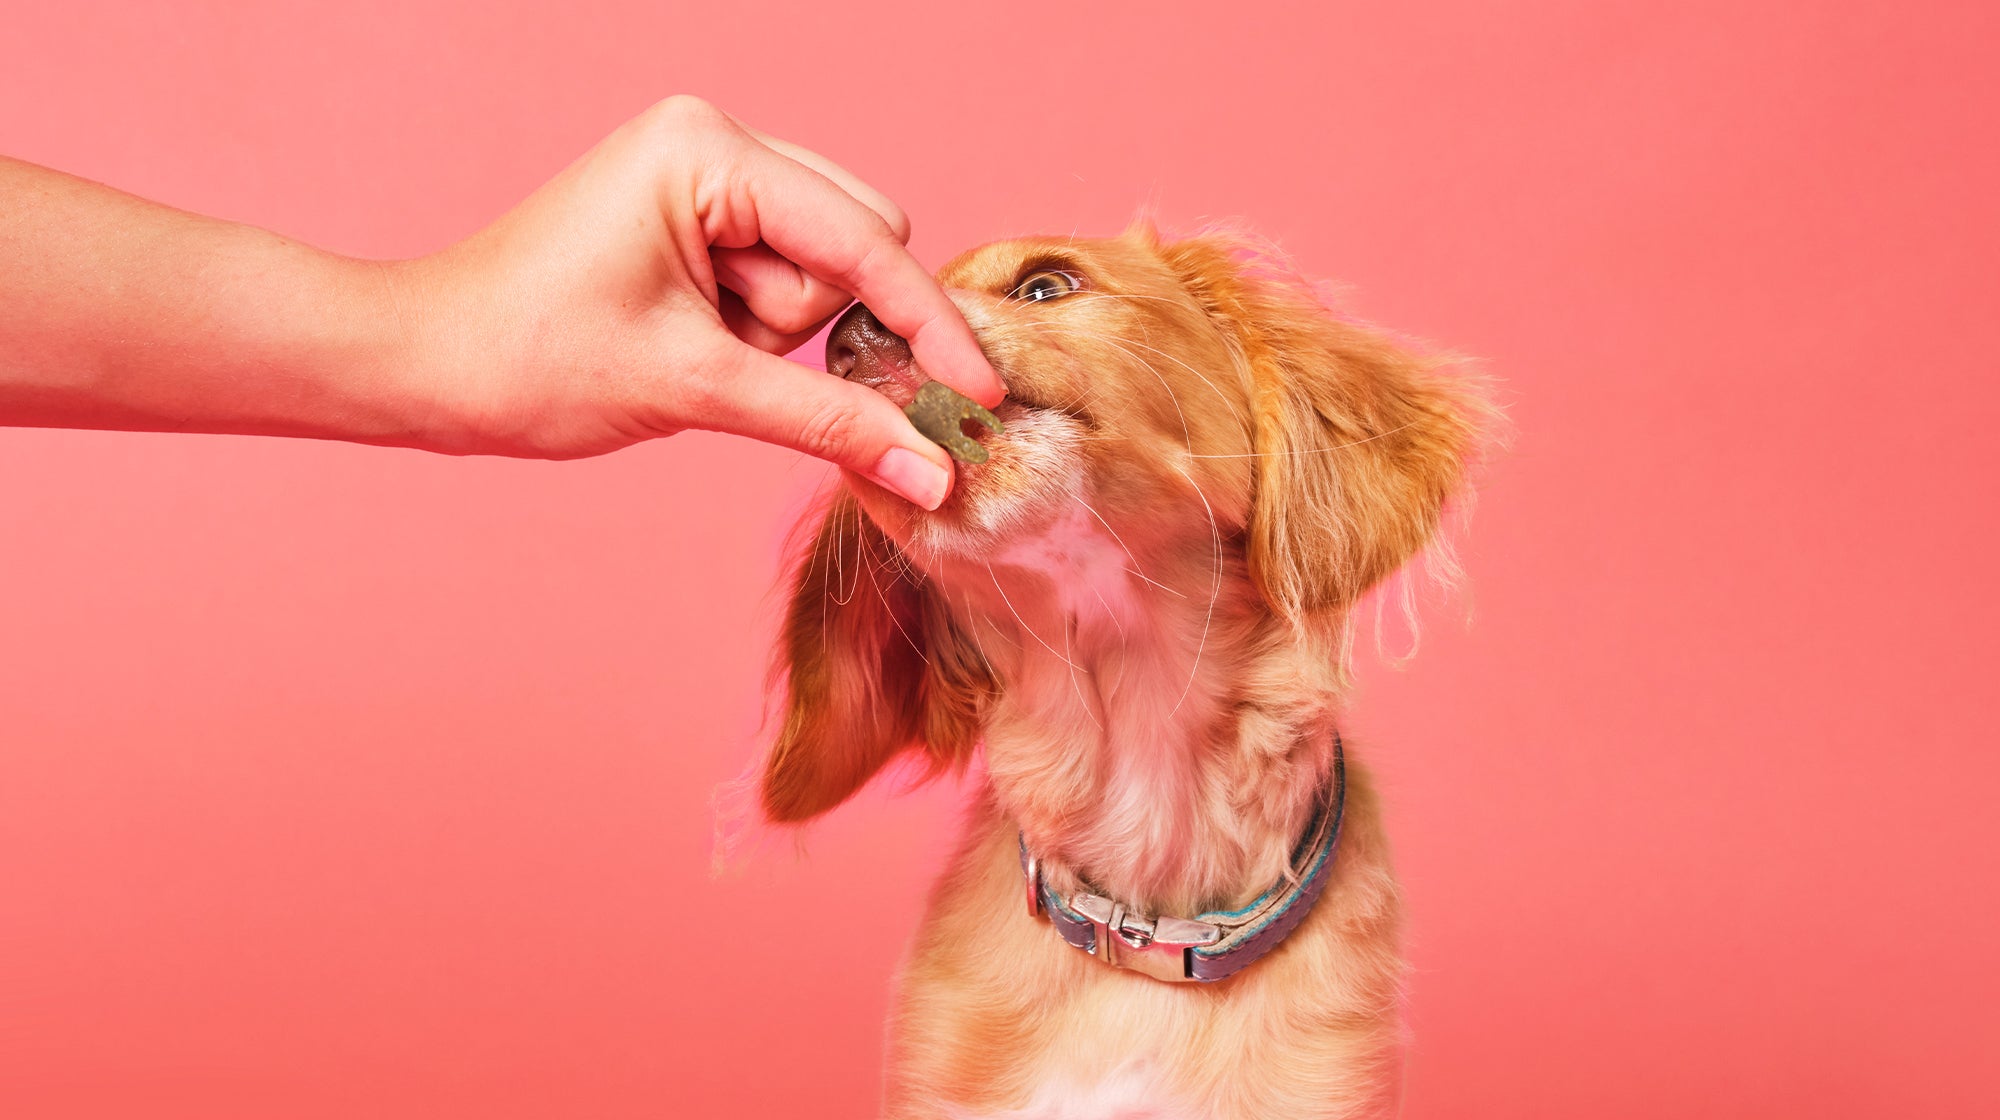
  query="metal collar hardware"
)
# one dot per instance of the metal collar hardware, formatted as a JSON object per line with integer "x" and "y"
{"x": 1215, "y": 945}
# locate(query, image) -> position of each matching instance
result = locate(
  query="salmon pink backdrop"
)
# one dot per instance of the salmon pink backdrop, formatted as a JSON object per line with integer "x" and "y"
{"x": 337, "y": 781}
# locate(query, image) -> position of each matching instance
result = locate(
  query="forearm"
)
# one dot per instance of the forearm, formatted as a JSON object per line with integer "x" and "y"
{"x": 647, "y": 289}
{"x": 120, "y": 313}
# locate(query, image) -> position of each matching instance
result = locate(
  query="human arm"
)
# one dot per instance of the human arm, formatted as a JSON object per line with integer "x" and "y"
{"x": 646, "y": 289}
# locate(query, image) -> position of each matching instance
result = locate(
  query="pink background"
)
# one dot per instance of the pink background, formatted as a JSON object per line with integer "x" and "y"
{"x": 347, "y": 782}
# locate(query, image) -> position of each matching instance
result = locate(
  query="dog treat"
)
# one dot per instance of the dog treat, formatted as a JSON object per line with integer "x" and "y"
{"x": 939, "y": 410}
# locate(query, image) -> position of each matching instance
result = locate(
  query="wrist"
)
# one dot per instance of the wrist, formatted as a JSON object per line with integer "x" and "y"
{"x": 416, "y": 350}
{"x": 459, "y": 351}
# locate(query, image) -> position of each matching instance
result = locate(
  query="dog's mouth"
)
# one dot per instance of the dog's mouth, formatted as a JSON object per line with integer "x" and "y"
{"x": 1015, "y": 418}
{"x": 977, "y": 431}
{"x": 863, "y": 351}
{"x": 971, "y": 434}
{"x": 952, "y": 420}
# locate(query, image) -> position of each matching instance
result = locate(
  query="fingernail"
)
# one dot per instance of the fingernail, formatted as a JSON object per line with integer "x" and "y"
{"x": 913, "y": 476}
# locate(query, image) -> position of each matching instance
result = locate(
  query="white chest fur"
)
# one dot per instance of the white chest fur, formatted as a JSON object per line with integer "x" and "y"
{"x": 1089, "y": 568}
{"x": 1131, "y": 1092}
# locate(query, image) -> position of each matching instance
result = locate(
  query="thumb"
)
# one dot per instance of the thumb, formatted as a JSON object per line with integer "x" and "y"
{"x": 777, "y": 401}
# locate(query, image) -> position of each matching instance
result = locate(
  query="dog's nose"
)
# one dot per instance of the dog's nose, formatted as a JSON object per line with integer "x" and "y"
{"x": 864, "y": 351}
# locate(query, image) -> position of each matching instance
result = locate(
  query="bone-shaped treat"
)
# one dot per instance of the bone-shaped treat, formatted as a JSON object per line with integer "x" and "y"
{"x": 937, "y": 413}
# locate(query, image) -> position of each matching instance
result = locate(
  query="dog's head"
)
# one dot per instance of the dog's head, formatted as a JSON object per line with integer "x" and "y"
{"x": 1198, "y": 455}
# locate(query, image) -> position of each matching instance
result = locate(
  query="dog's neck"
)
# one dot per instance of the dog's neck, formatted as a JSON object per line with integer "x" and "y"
{"x": 1159, "y": 736}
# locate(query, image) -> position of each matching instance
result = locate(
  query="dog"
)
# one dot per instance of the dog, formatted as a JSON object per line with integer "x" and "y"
{"x": 1173, "y": 897}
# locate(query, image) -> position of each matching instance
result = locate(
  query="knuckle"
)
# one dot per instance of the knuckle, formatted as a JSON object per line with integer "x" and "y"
{"x": 684, "y": 112}
{"x": 862, "y": 266}
{"x": 795, "y": 318}
{"x": 831, "y": 432}
{"x": 682, "y": 105}
{"x": 899, "y": 223}
{"x": 789, "y": 322}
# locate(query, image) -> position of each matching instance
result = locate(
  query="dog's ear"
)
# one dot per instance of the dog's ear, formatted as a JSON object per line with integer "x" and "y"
{"x": 1359, "y": 440}
{"x": 872, "y": 665}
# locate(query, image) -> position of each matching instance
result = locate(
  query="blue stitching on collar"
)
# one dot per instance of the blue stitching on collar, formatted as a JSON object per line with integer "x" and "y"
{"x": 1238, "y": 937}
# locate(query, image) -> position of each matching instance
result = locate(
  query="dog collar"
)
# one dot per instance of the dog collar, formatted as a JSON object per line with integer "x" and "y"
{"x": 1217, "y": 944}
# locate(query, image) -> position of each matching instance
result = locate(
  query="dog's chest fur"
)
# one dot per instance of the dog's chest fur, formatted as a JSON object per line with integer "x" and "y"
{"x": 1089, "y": 569}
{"x": 997, "y": 1018}
{"x": 1135, "y": 1091}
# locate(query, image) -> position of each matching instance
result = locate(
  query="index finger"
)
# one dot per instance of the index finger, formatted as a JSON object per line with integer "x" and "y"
{"x": 899, "y": 222}
{"x": 814, "y": 223}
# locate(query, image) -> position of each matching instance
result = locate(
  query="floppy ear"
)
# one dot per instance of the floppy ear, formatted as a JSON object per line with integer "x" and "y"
{"x": 872, "y": 665}
{"x": 1359, "y": 440}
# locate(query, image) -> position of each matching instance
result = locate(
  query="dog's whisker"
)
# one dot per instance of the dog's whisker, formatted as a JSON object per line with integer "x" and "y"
{"x": 1059, "y": 331}
{"x": 1215, "y": 531}
{"x": 1214, "y": 592}
{"x": 1155, "y": 583}
{"x": 994, "y": 626}
{"x": 840, "y": 556}
{"x": 1187, "y": 434}
{"x": 1082, "y": 394}
{"x": 868, "y": 550}
{"x": 1310, "y": 450}
{"x": 1094, "y": 293}
{"x": 1111, "y": 614}
{"x": 1024, "y": 622}
{"x": 1234, "y": 408}
{"x": 1074, "y": 684}
{"x": 1134, "y": 569}
{"x": 1297, "y": 451}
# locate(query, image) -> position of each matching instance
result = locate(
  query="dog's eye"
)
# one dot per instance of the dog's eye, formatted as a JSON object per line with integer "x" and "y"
{"x": 1046, "y": 284}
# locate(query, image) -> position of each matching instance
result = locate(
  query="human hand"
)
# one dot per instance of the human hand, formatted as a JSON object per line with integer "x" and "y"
{"x": 650, "y": 287}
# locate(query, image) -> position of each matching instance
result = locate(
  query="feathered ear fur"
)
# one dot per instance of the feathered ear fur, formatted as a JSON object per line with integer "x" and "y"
{"x": 873, "y": 665}
{"x": 1359, "y": 440}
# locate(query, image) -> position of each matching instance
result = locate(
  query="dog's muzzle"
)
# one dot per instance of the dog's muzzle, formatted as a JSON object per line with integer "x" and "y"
{"x": 865, "y": 352}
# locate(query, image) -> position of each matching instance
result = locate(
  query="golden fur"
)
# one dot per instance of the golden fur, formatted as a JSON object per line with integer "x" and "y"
{"x": 1139, "y": 606}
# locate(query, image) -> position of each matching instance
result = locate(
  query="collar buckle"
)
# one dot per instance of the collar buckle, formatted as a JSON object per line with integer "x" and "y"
{"x": 1157, "y": 947}
{"x": 1220, "y": 943}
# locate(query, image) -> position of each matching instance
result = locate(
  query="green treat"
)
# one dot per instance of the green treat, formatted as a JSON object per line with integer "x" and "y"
{"x": 938, "y": 411}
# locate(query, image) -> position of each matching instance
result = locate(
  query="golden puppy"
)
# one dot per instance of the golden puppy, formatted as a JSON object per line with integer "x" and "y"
{"x": 1174, "y": 898}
